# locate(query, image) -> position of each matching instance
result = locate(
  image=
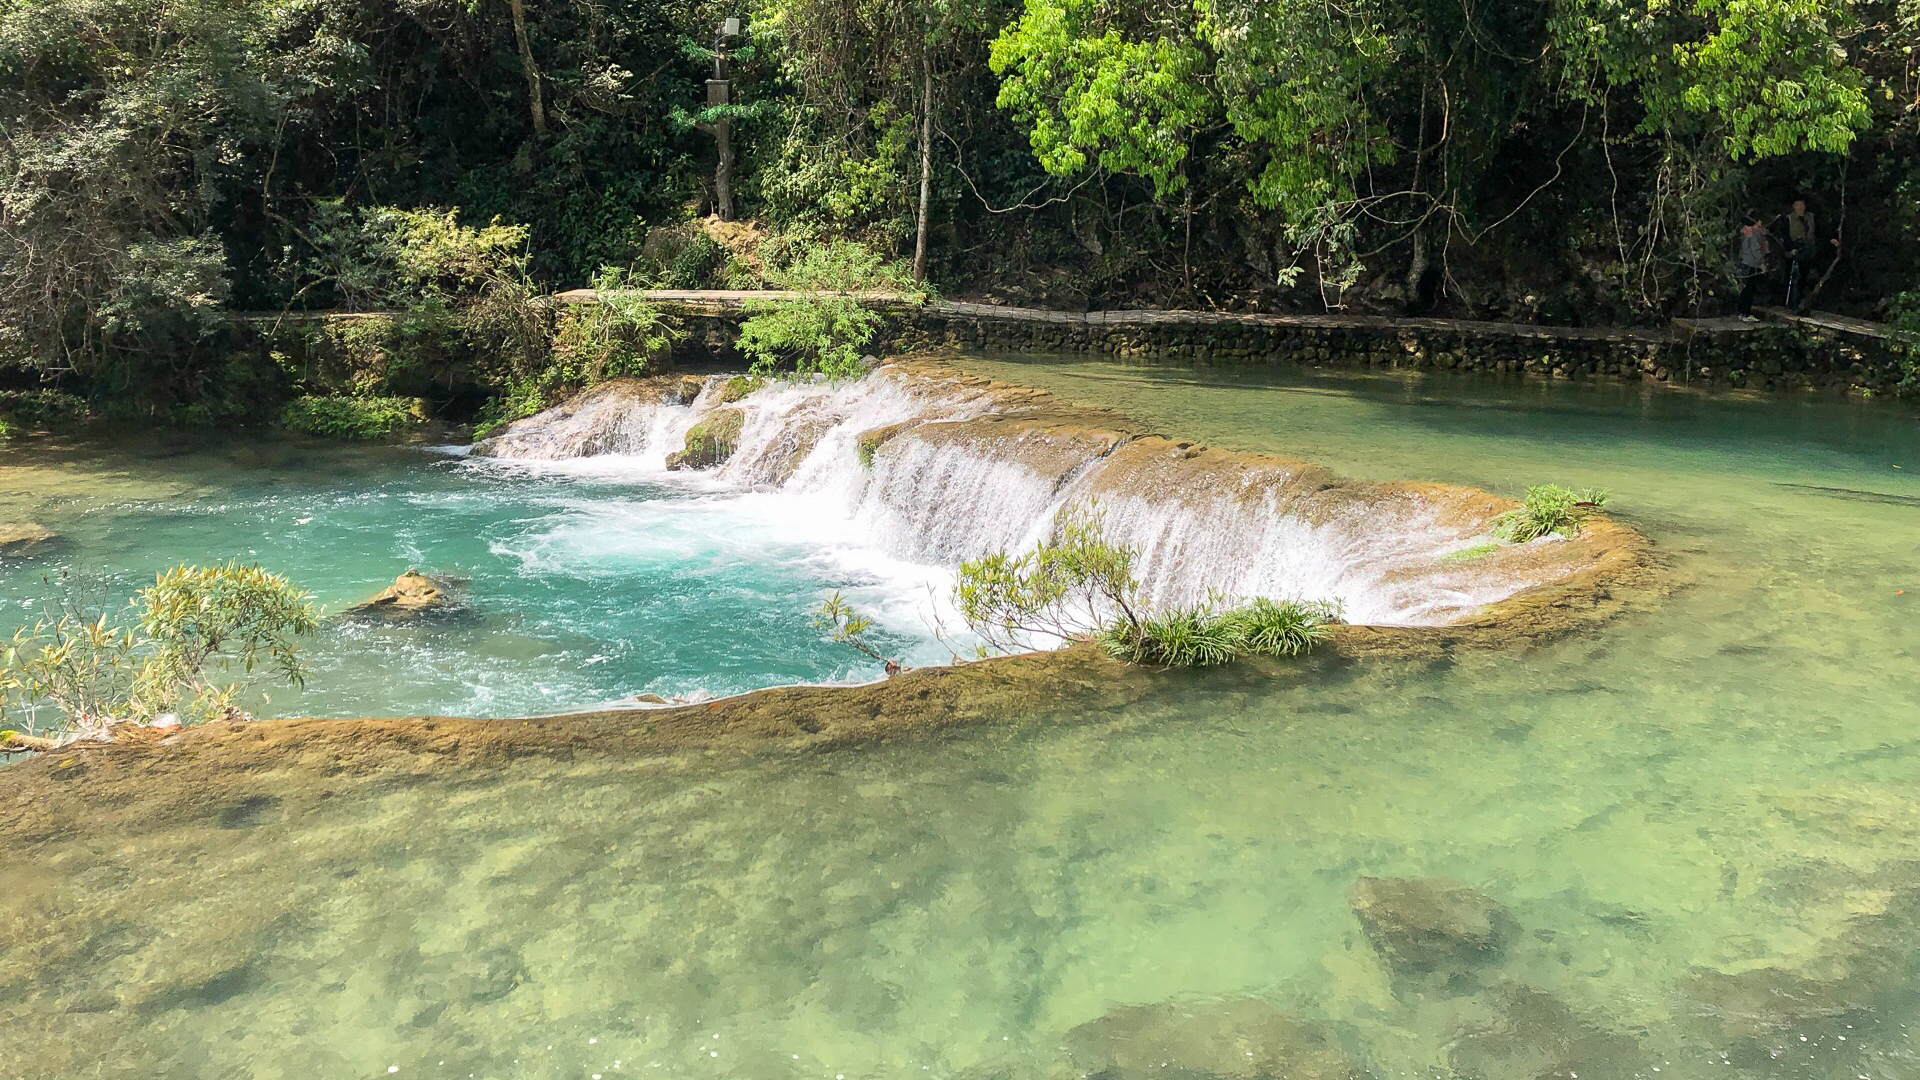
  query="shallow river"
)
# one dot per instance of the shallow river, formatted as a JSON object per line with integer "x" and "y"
{"x": 1725, "y": 785}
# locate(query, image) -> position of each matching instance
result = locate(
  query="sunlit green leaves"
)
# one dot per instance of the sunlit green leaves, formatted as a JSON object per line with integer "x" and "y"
{"x": 1094, "y": 93}
{"x": 1761, "y": 78}
{"x": 198, "y": 637}
{"x": 1775, "y": 74}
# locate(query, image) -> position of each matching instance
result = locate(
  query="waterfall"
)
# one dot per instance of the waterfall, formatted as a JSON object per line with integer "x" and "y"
{"x": 937, "y": 470}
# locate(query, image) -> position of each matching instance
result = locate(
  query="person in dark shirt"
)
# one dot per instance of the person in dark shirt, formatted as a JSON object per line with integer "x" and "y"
{"x": 1803, "y": 239}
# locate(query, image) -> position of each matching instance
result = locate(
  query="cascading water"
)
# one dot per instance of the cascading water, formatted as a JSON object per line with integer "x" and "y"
{"x": 934, "y": 471}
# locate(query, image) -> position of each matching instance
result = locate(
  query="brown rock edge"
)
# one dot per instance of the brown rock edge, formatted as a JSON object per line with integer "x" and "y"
{"x": 170, "y": 775}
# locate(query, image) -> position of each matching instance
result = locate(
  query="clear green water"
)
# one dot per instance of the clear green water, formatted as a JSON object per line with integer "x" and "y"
{"x": 1719, "y": 784}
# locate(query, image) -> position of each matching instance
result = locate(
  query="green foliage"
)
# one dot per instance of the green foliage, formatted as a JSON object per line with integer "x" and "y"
{"x": 825, "y": 331}
{"x": 837, "y": 619}
{"x": 1069, "y": 586}
{"x": 1765, "y": 77}
{"x": 360, "y": 418}
{"x": 809, "y": 263}
{"x": 823, "y": 335}
{"x": 165, "y": 162}
{"x": 1549, "y": 508}
{"x": 619, "y": 335}
{"x": 1281, "y": 627}
{"x": 696, "y": 265}
{"x": 1096, "y": 91}
{"x": 1205, "y": 636}
{"x": 1471, "y": 553}
{"x": 1905, "y": 324}
{"x": 1180, "y": 637}
{"x": 191, "y": 645}
{"x": 40, "y": 408}
{"x": 1078, "y": 585}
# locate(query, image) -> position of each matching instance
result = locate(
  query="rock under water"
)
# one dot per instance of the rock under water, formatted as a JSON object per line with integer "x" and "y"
{"x": 24, "y": 538}
{"x": 1430, "y": 925}
{"x": 1227, "y": 1040}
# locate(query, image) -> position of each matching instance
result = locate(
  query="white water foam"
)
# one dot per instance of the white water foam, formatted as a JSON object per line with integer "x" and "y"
{"x": 906, "y": 518}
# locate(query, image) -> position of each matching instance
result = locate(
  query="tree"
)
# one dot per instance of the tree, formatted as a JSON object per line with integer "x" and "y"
{"x": 1375, "y": 123}
{"x": 190, "y": 645}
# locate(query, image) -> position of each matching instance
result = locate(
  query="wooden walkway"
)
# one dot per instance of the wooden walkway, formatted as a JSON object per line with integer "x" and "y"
{"x": 1828, "y": 321}
{"x": 724, "y": 302}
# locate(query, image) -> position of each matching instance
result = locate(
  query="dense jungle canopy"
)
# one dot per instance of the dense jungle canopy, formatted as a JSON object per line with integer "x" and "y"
{"x": 164, "y": 162}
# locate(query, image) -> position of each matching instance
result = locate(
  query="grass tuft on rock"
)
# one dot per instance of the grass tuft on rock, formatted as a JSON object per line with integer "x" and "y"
{"x": 1549, "y": 508}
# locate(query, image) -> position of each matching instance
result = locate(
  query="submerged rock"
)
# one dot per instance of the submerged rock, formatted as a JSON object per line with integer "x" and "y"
{"x": 1824, "y": 1007}
{"x": 25, "y": 537}
{"x": 1524, "y": 1033}
{"x": 1228, "y": 1040}
{"x": 412, "y": 593}
{"x": 1761, "y": 1015}
{"x": 711, "y": 441}
{"x": 1430, "y": 925}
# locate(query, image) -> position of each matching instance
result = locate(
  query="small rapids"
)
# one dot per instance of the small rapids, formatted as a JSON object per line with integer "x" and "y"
{"x": 922, "y": 470}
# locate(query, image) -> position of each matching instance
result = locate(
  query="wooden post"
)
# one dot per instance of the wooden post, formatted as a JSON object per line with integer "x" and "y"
{"x": 720, "y": 93}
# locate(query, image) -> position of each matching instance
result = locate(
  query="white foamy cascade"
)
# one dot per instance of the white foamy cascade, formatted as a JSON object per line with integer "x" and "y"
{"x": 950, "y": 486}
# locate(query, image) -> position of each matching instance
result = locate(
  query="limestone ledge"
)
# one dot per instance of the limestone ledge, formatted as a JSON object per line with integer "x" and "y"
{"x": 156, "y": 776}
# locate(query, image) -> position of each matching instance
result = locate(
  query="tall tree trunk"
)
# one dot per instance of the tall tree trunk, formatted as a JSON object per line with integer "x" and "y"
{"x": 1417, "y": 268}
{"x": 926, "y": 168}
{"x": 527, "y": 67}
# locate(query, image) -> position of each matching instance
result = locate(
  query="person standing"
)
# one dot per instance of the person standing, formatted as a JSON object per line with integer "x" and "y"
{"x": 1751, "y": 264}
{"x": 1802, "y": 238}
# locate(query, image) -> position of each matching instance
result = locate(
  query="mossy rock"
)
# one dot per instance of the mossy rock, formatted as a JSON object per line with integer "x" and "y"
{"x": 412, "y": 593}
{"x": 1241, "y": 1039}
{"x": 868, "y": 443}
{"x": 737, "y": 387}
{"x": 711, "y": 441}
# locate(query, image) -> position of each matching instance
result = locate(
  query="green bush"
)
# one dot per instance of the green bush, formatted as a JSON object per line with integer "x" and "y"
{"x": 191, "y": 644}
{"x": 376, "y": 354}
{"x": 1182, "y": 637}
{"x": 1904, "y": 320}
{"x": 38, "y": 408}
{"x": 1549, "y": 508}
{"x": 616, "y": 336}
{"x": 1281, "y": 627}
{"x": 822, "y": 332}
{"x": 696, "y": 265}
{"x": 1066, "y": 585}
{"x": 361, "y": 418}
{"x": 825, "y": 335}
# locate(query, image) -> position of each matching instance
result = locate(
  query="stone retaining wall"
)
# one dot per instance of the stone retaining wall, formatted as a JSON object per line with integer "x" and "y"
{"x": 1768, "y": 357}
